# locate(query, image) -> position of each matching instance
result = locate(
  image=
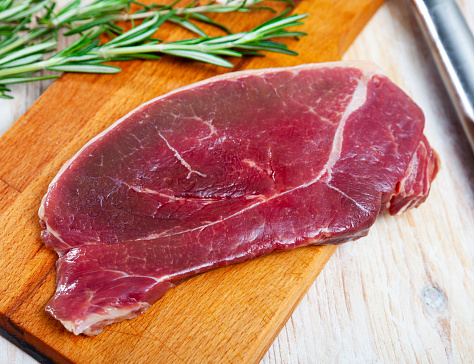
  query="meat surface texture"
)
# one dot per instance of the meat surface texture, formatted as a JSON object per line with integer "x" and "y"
{"x": 226, "y": 170}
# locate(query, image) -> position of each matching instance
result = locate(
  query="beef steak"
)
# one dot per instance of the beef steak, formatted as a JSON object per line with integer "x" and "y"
{"x": 223, "y": 171}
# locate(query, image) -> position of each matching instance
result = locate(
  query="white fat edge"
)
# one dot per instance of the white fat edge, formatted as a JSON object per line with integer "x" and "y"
{"x": 112, "y": 315}
{"x": 41, "y": 208}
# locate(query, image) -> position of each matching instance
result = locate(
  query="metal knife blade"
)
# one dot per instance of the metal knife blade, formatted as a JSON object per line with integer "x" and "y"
{"x": 452, "y": 45}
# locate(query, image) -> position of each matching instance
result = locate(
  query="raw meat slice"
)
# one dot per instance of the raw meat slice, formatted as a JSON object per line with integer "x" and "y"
{"x": 226, "y": 170}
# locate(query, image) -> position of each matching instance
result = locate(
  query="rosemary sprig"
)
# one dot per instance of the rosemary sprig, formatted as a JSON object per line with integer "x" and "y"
{"x": 207, "y": 49}
{"x": 218, "y": 7}
{"x": 26, "y": 22}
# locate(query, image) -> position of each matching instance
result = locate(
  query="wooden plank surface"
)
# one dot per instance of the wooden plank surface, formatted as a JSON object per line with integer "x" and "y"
{"x": 227, "y": 315}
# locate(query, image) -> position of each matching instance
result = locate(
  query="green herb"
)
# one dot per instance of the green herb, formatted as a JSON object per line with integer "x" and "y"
{"x": 28, "y": 36}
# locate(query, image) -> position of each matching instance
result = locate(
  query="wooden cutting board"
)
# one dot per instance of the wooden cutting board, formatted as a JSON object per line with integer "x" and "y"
{"x": 230, "y": 314}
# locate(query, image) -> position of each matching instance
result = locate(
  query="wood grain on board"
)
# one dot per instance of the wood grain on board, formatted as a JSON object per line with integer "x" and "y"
{"x": 226, "y": 315}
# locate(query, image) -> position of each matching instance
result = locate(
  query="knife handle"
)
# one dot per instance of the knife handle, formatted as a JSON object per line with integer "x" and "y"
{"x": 452, "y": 45}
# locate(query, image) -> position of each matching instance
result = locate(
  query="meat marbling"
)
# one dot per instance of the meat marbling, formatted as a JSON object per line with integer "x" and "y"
{"x": 226, "y": 170}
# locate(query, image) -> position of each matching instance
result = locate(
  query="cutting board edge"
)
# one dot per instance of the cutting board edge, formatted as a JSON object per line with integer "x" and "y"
{"x": 272, "y": 332}
{"x": 30, "y": 344}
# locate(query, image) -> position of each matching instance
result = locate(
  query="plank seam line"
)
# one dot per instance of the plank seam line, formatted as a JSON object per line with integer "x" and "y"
{"x": 21, "y": 300}
{"x": 10, "y": 185}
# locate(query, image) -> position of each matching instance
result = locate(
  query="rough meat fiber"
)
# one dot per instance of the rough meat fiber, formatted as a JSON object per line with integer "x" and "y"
{"x": 226, "y": 170}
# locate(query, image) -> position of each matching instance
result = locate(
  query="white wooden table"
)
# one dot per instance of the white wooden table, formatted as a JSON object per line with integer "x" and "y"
{"x": 390, "y": 297}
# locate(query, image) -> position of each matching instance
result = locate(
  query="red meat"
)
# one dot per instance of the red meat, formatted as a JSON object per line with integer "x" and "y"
{"x": 223, "y": 171}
